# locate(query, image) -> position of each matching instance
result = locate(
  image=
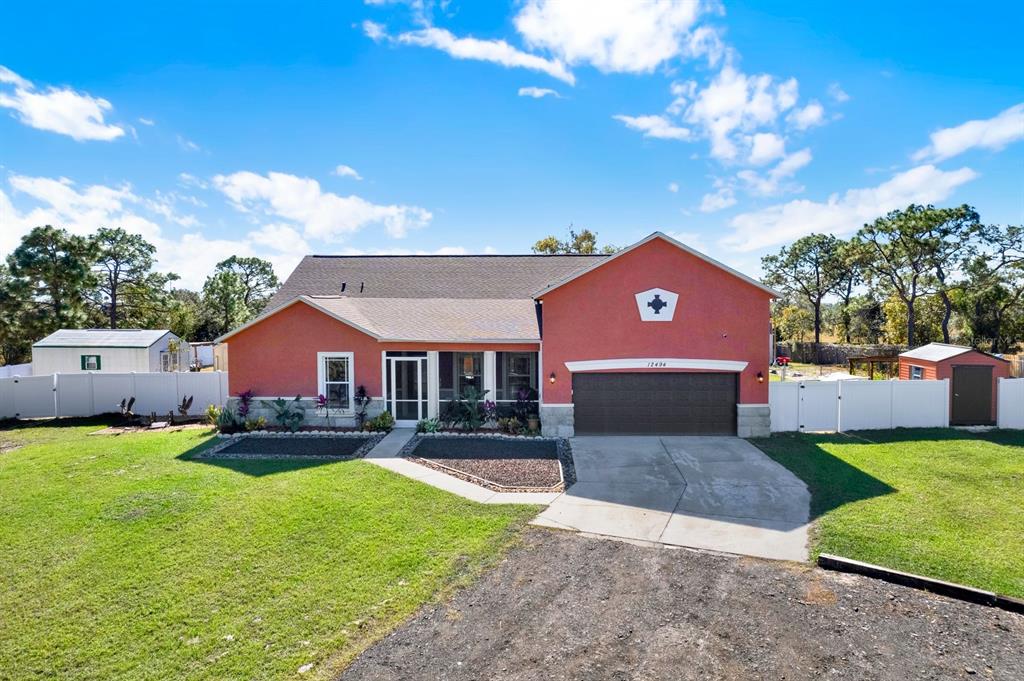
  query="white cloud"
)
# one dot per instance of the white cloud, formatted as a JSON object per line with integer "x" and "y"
{"x": 147, "y": 121}
{"x": 734, "y": 102}
{"x": 280, "y": 237}
{"x": 837, "y": 93}
{"x": 12, "y": 78}
{"x": 807, "y": 117}
{"x": 692, "y": 239}
{"x": 723, "y": 197}
{"x": 844, "y": 214}
{"x": 59, "y": 202}
{"x": 374, "y": 31}
{"x": 654, "y": 126}
{"x": 537, "y": 92}
{"x": 765, "y": 147}
{"x": 187, "y": 144}
{"x": 494, "y": 51}
{"x": 990, "y": 133}
{"x": 62, "y": 110}
{"x": 343, "y": 170}
{"x": 189, "y": 180}
{"x": 673, "y": 187}
{"x": 322, "y": 215}
{"x": 772, "y": 182}
{"x": 631, "y": 36}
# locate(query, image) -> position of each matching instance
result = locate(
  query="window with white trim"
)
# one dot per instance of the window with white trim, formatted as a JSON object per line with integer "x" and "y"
{"x": 335, "y": 379}
{"x": 90, "y": 362}
{"x": 916, "y": 373}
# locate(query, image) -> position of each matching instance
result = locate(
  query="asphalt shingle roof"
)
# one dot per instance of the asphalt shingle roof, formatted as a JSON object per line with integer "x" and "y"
{"x": 102, "y": 338}
{"x": 438, "y": 319}
{"x": 484, "y": 277}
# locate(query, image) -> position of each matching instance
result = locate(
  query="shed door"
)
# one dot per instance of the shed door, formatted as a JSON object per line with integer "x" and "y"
{"x": 655, "y": 403}
{"x": 972, "y": 395}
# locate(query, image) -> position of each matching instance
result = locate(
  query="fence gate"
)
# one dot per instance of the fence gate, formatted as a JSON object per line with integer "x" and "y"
{"x": 818, "y": 401}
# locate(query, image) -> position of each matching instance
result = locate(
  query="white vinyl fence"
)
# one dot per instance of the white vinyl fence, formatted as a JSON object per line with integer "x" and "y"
{"x": 89, "y": 394}
{"x": 1010, "y": 405}
{"x": 9, "y": 370}
{"x": 858, "y": 405}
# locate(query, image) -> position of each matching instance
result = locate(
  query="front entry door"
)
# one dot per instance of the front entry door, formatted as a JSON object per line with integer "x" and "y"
{"x": 972, "y": 395}
{"x": 407, "y": 392}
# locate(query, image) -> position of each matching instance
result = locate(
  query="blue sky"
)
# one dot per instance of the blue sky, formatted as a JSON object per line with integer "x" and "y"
{"x": 276, "y": 130}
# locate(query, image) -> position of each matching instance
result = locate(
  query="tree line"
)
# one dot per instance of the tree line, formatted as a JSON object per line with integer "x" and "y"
{"x": 913, "y": 276}
{"x": 55, "y": 279}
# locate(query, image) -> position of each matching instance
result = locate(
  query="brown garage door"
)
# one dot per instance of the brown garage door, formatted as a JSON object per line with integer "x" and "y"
{"x": 645, "y": 403}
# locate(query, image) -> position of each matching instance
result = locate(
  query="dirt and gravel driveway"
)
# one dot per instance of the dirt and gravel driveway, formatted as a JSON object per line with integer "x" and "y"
{"x": 566, "y": 606}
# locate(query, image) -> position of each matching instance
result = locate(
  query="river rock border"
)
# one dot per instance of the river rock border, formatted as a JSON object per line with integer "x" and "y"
{"x": 228, "y": 439}
{"x": 562, "y": 448}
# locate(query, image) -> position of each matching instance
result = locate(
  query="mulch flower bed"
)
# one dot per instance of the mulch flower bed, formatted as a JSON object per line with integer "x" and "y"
{"x": 502, "y": 464}
{"x": 309, "y": 447}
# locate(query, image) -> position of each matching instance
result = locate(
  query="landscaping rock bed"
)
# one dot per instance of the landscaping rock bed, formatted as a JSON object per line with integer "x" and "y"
{"x": 502, "y": 464}
{"x": 305, "y": 447}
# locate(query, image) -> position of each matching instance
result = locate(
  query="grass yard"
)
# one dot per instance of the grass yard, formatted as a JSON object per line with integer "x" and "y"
{"x": 122, "y": 558}
{"x": 943, "y": 503}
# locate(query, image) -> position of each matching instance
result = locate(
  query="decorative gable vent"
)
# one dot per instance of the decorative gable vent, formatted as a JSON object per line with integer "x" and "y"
{"x": 656, "y": 305}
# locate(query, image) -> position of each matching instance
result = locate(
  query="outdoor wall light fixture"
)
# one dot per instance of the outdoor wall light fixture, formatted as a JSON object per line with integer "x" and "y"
{"x": 551, "y": 378}
{"x": 760, "y": 377}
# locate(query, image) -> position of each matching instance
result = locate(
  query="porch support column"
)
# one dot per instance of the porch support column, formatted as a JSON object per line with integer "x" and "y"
{"x": 432, "y": 384}
{"x": 490, "y": 371}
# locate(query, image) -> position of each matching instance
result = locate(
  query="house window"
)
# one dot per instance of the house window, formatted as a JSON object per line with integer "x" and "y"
{"x": 515, "y": 371}
{"x": 90, "y": 362}
{"x": 335, "y": 379}
{"x": 458, "y": 371}
{"x": 916, "y": 373}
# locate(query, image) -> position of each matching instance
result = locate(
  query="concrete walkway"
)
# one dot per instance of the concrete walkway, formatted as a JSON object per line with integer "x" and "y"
{"x": 385, "y": 455}
{"x": 718, "y": 493}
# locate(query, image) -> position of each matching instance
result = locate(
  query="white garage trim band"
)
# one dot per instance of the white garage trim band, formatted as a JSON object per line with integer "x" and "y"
{"x": 656, "y": 363}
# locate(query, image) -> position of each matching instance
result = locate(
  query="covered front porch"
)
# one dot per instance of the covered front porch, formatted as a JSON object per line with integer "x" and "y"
{"x": 419, "y": 384}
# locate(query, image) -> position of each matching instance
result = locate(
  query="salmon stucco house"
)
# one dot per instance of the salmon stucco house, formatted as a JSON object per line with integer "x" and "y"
{"x": 656, "y": 338}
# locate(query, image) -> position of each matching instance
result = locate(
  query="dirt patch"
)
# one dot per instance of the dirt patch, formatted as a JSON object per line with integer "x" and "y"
{"x": 6, "y": 447}
{"x": 564, "y": 606}
{"x": 292, "y": 447}
{"x": 504, "y": 465}
{"x": 123, "y": 430}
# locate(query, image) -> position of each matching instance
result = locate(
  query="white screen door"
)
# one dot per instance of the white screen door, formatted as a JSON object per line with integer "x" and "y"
{"x": 407, "y": 394}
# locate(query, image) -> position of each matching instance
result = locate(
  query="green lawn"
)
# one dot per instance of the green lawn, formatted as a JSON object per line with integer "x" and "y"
{"x": 942, "y": 503}
{"x": 122, "y": 558}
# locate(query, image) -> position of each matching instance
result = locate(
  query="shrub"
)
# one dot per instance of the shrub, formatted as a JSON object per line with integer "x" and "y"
{"x": 288, "y": 415}
{"x": 258, "y": 423}
{"x": 227, "y": 421}
{"x": 511, "y": 426}
{"x": 428, "y": 426}
{"x": 213, "y": 414}
{"x": 381, "y": 423}
{"x": 245, "y": 403}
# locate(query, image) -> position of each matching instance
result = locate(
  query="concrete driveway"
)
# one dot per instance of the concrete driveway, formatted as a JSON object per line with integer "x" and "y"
{"x": 718, "y": 493}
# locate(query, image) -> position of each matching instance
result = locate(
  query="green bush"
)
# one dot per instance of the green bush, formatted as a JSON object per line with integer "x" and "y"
{"x": 213, "y": 414}
{"x": 258, "y": 423}
{"x": 428, "y": 426}
{"x": 227, "y": 421}
{"x": 288, "y": 415}
{"x": 381, "y": 423}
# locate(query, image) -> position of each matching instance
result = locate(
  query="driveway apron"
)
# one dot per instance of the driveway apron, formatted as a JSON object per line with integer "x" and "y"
{"x": 717, "y": 493}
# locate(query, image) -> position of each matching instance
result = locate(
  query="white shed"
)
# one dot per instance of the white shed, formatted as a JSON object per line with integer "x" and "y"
{"x": 116, "y": 350}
